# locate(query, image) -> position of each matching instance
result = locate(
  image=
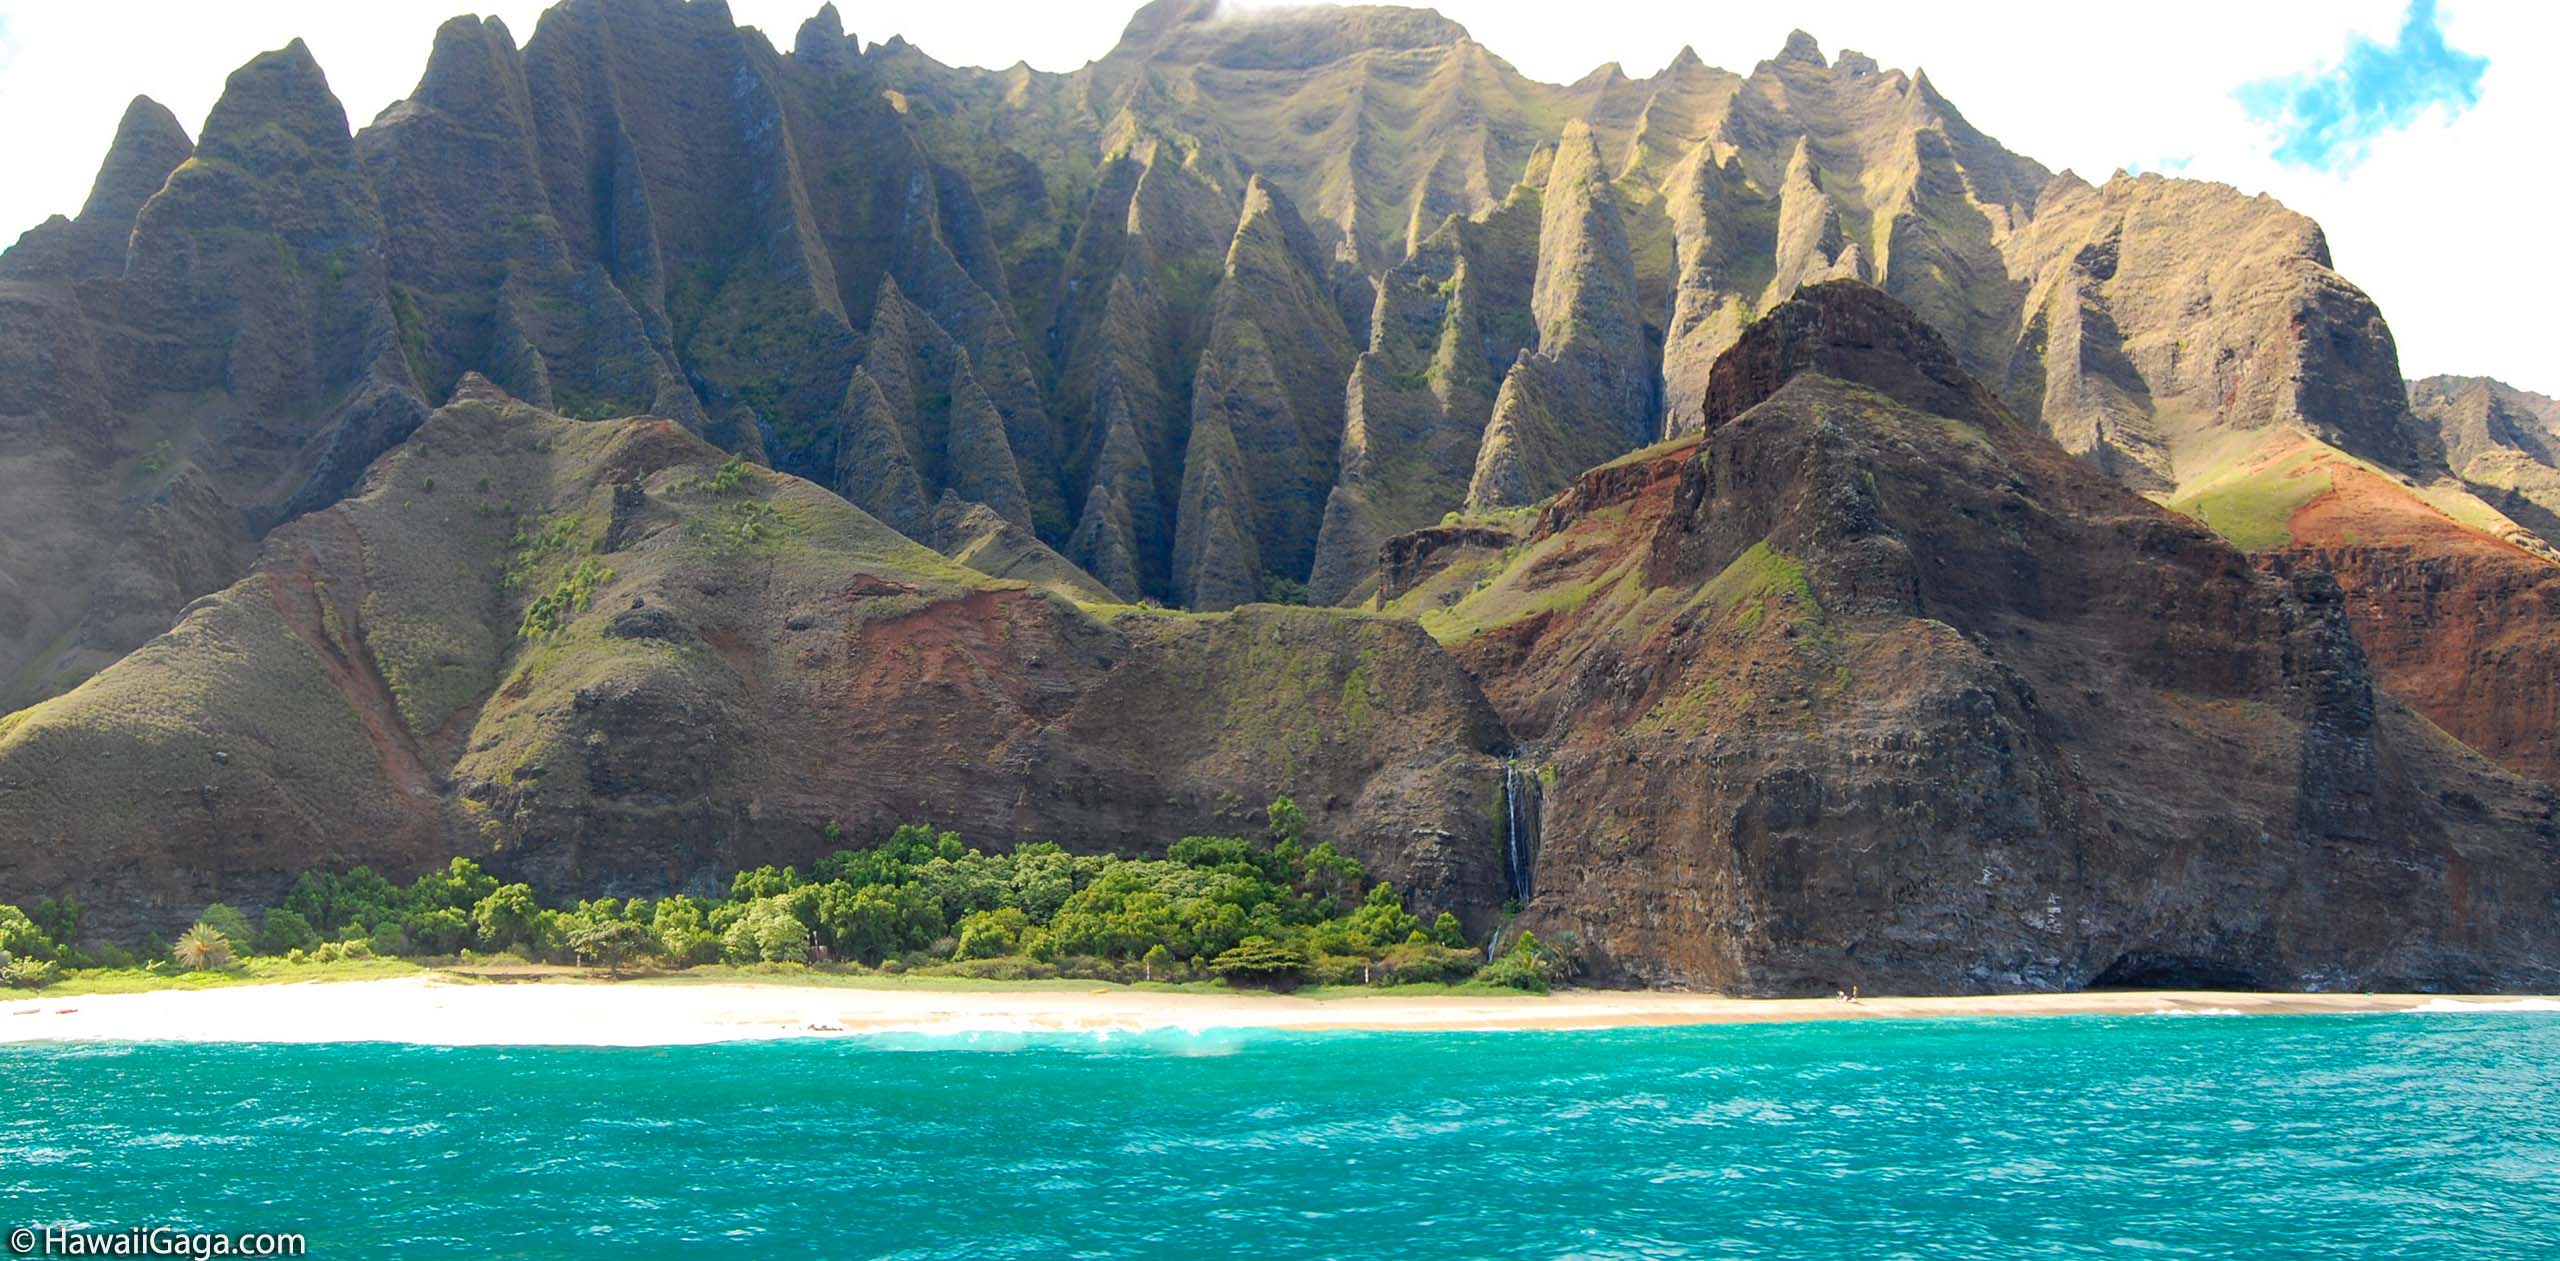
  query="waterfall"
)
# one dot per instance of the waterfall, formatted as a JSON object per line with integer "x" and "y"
{"x": 1514, "y": 855}
{"x": 1515, "y": 846}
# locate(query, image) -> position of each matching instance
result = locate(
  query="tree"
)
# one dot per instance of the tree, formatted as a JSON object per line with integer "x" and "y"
{"x": 763, "y": 882}
{"x": 21, "y": 937}
{"x": 460, "y": 886}
{"x": 683, "y": 935}
{"x": 442, "y": 931}
{"x": 992, "y": 934}
{"x": 507, "y": 918}
{"x": 1288, "y": 823}
{"x": 612, "y": 943}
{"x": 1448, "y": 932}
{"x": 1330, "y": 874}
{"x": 332, "y": 903}
{"x": 58, "y": 918}
{"x": 202, "y": 948}
{"x": 767, "y": 933}
{"x": 284, "y": 931}
{"x": 1158, "y": 960}
{"x": 1382, "y": 919}
{"x": 1261, "y": 961}
{"x": 231, "y": 923}
{"x": 873, "y": 922}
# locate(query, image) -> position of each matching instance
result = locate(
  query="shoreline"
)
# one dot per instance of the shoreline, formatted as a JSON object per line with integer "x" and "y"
{"x": 431, "y": 1010}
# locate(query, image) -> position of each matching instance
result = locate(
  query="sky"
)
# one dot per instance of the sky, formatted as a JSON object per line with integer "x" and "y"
{"x": 2415, "y": 131}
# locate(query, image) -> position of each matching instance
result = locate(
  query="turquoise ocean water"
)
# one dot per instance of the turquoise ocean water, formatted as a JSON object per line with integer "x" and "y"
{"x": 2421, "y": 1136}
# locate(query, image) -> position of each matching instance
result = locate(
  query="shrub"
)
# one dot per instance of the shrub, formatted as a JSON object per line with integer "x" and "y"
{"x": 1515, "y": 971}
{"x": 1008, "y": 968}
{"x": 1527, "y": 965}
{"x": 1425, "y": 962}
{"x": 27, "y": 974}
{"x": 202, "y": 948}
{"x": 1334, "y": 969}
{"x": 567, "y": 598}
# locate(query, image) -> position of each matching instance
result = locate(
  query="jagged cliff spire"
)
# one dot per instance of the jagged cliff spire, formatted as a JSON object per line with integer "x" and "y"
{"x": 1587, "y": 389}
{"x": 822, "y": 41}
{"x": 282, "y": 90}
{"x": 149, "y": 144}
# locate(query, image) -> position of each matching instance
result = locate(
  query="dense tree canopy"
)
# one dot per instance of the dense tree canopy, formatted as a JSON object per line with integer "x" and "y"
{"x": 1274, "y": 910}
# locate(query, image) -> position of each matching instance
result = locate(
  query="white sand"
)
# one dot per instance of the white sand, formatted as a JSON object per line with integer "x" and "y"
{"x": 432, "y": 1010}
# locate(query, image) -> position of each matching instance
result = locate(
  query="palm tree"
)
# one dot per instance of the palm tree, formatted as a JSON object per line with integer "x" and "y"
{"x": 202, "y": 948}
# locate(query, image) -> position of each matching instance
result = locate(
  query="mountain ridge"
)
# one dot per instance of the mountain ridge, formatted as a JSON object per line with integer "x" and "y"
{"x": 644, "y": 448}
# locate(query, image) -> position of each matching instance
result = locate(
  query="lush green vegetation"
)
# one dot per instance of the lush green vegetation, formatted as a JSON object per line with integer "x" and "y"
{"x": 1270, "y": 912}
{"x": 2254, "y": 507}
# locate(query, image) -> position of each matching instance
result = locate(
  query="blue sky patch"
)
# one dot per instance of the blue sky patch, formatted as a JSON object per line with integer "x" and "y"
{"x": 2326, "y": 119}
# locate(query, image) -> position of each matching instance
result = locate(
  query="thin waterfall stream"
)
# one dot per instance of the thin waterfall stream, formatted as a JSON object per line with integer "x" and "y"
{"x": 1515, "y": 858}
{"x": 1515, "y": 844}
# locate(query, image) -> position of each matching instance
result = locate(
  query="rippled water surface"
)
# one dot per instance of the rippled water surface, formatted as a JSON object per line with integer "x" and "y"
{"x": 2366, "y": 1136}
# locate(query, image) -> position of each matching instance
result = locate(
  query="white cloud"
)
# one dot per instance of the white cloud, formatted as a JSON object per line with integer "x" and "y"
{"x": 2432, "y": 223}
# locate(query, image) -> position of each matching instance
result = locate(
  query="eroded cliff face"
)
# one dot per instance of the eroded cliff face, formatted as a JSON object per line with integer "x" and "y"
{"x": 587, "y": 654}
{"x": 2504, "y": 443}
{"x": 1212, "y": 318}
{"x": 1872, "y": 683}
{"x": 208, "y": 349}
{"x": 1758, "y": 444}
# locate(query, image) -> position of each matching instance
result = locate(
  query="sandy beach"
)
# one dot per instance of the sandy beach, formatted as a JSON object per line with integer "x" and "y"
{"x": 433, "y": 1010}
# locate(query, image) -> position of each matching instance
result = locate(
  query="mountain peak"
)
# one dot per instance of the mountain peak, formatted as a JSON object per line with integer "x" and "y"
{"x": 283, "y": 88}
{"x": 471, "y": 59}
{"x": 149, "y": 144}
{"x": 1802, "y": 47}
{"x": 822, "y": 39}
{"x": 1298, "y": 37}
{"x": 1851, "y": 332}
